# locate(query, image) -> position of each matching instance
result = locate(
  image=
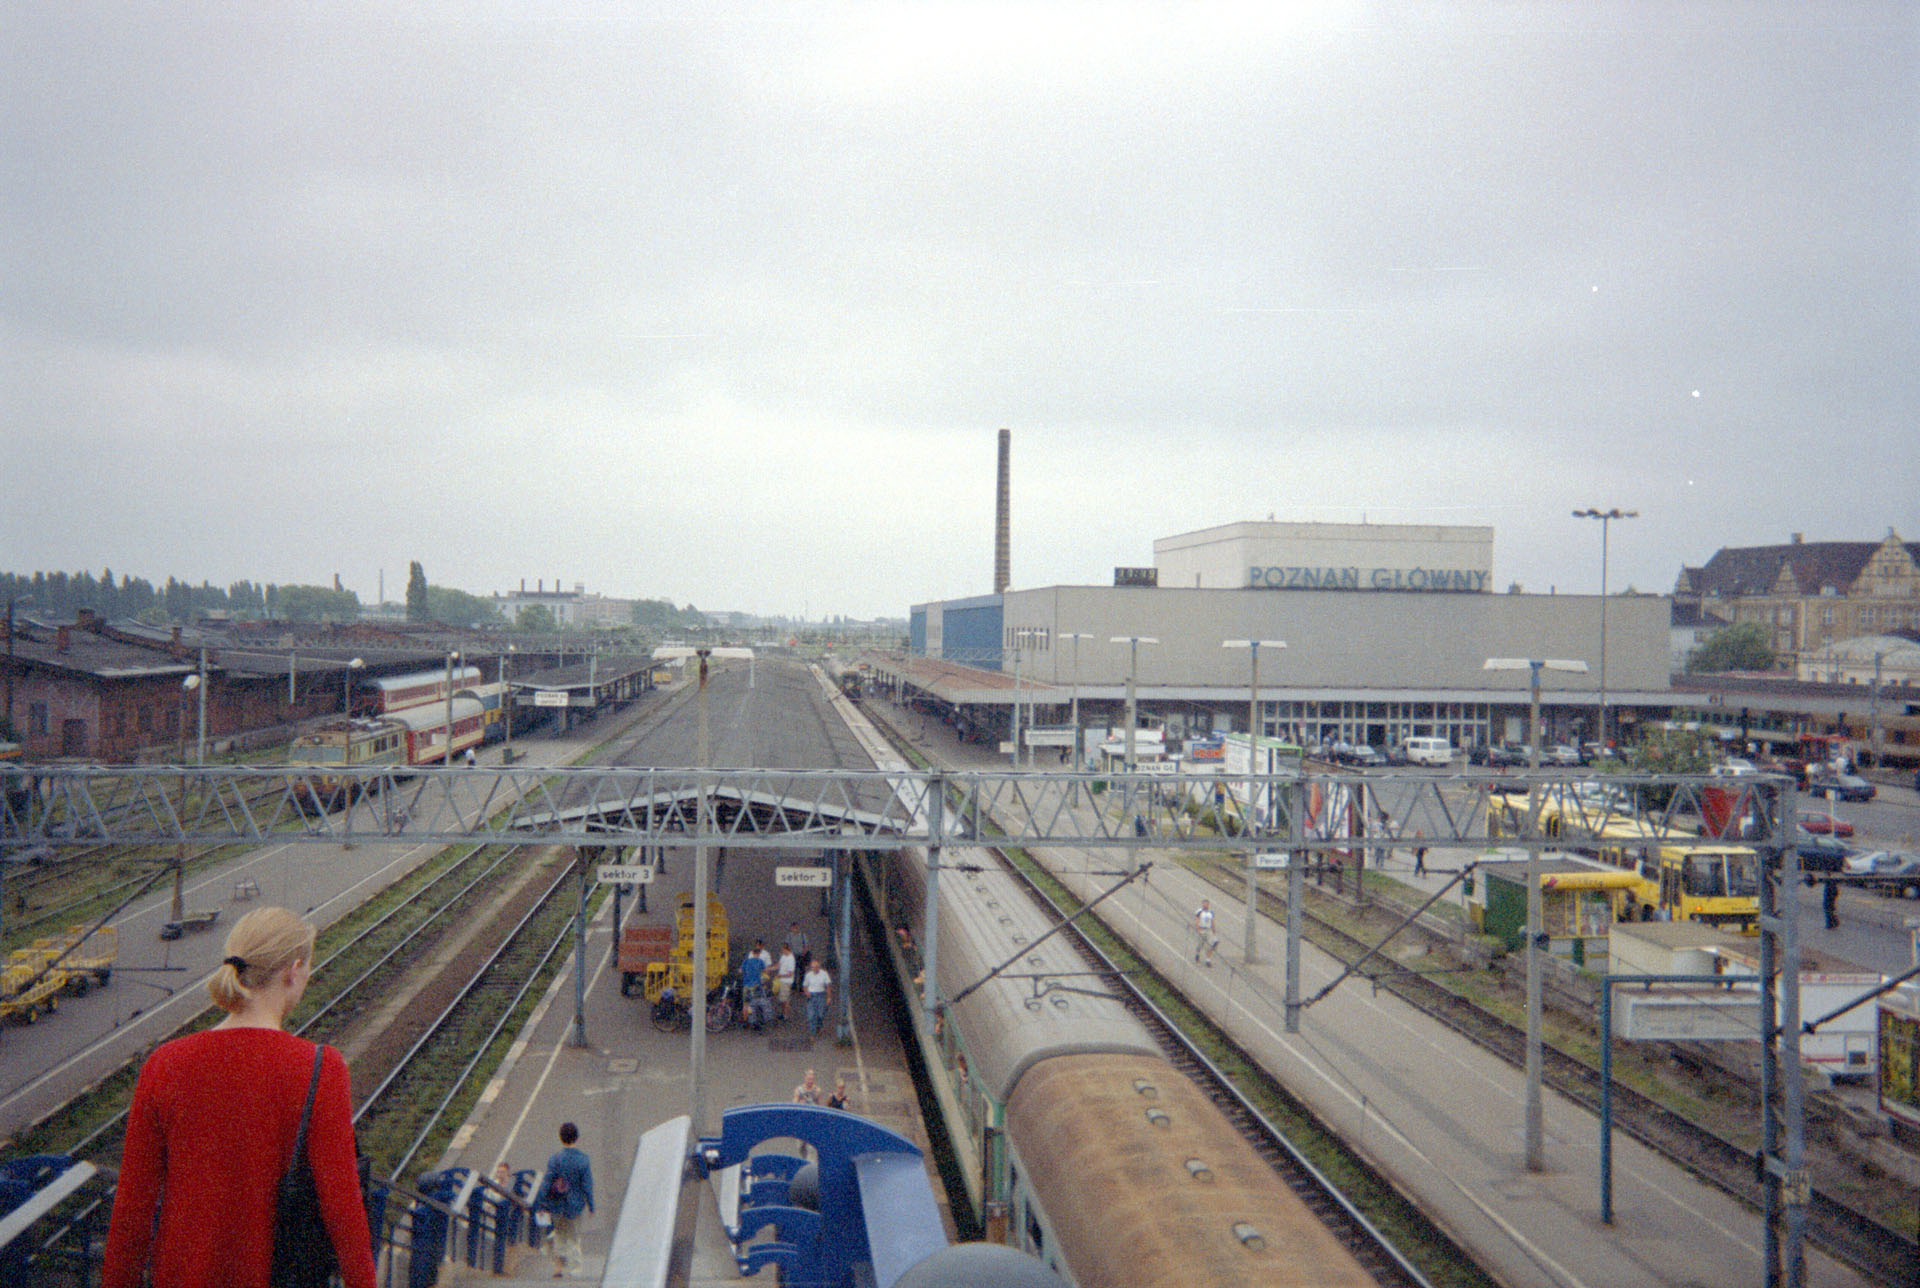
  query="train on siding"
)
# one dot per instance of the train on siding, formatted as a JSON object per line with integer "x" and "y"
{"x": 1079, "y": 1140}
{"x": 405, "y": 740}
{"x": 392, "y": 693}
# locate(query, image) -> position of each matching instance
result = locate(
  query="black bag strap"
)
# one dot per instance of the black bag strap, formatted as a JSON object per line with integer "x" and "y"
{"x": 306, "y": 1112}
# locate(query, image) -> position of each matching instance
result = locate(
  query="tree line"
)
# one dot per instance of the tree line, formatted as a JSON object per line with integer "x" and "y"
{"x": 53, "y": 596}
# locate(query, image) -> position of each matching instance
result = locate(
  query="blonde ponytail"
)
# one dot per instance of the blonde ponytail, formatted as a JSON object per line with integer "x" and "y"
{"x": 263, "y": 943}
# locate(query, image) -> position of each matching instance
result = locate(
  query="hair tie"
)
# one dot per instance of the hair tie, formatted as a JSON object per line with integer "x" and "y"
{"x": 238, "y": 963}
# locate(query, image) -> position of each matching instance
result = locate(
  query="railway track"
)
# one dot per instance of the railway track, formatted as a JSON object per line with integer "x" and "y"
{"x": 1882, "y": 1254}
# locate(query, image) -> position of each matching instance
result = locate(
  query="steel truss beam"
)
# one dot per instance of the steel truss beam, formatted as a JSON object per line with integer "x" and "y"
{"x": 65, "y": 805}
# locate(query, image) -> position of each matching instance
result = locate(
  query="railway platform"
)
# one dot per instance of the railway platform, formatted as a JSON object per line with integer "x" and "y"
{"x": 1442, "y": 1118}
{"x": 630, "y": 1077}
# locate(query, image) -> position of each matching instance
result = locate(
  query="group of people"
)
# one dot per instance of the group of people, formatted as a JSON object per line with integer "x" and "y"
{"x": 767, "y": 982}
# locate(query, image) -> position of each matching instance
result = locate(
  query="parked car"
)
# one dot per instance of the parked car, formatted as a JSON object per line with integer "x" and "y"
{"x": 1825, "y": 825}
{"x": 1427, "y": 751}
{"x": 1891, "y": 865}
{"x": 1361, "y": 756}
{"x": 1843, "y": 787}
{"x": 1505, "y": 756}
{"x": 1561, "y": 753}
{"x": 1822, "y": 854}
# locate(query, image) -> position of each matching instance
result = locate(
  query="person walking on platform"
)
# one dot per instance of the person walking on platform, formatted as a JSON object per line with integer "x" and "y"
{"x": 838, "y": 1100}
{"x": 1830, "y": 904}
{"x": 808, "y": 1092}
{"x": 214, "y": 1121}
{"x": 566, "y": 1194}
{"x": 818, "y": 986}
{"x": 1204, "y": 940}
{"x": 753, "y": 977}
{"x": 798, "y": 943}
{"x": 783, "y": 981}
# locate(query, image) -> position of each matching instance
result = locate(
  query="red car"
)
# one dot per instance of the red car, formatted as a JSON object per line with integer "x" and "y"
{"x": 1821, "y": 825}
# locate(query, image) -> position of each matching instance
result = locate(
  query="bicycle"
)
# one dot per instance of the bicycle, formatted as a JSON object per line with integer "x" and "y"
{"x": 670, "y": 1013}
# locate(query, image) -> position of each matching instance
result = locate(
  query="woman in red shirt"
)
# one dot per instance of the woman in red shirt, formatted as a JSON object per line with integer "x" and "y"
{"x": 212, "y": 1129}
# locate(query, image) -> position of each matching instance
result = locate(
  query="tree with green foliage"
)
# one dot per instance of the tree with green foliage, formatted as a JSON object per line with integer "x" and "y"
{"x": 1741, "y": 647}
{"x": 452, "y": 607}
{"x": 417, "y": 593}
{"x": 535, "y": 619}
{"x": 312, "y": 604}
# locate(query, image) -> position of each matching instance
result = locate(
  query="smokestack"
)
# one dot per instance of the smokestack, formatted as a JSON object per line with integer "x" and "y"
{"x": 1002, "y": 539}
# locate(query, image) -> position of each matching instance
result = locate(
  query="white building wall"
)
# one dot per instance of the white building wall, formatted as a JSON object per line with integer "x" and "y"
{"x": 1340, "y": 640}
{"x": 1351, "y": 556}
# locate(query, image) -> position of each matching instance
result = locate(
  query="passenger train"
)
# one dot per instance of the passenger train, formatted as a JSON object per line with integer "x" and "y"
{"x": 405, "y": 739}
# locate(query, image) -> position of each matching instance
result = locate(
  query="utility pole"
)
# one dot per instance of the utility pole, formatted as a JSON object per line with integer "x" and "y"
{"x": 1253, "y": 752}
{"x": 1536, "y": 946}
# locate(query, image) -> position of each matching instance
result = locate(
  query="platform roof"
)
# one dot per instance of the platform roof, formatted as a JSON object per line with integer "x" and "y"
{"x": 966, "y": 685}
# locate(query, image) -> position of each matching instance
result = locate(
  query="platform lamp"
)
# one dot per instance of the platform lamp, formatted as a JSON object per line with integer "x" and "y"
{"x": 697, "y": 1045}
{"x": 1536, "y": 965}
{"x": 1253, "y": 744}
{"x": 1606, "y": 518}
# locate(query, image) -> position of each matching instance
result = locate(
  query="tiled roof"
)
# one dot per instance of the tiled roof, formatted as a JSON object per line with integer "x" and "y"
{"x": 1753, "y": 570}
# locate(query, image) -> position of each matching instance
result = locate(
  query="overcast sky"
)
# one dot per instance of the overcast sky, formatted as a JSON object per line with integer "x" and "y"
{"x": 729, "y": 310}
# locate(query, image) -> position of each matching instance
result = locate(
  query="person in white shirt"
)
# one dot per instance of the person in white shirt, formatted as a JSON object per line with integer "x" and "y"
{"x": 818, "y": 986}
{"x": 1204, "y": 940}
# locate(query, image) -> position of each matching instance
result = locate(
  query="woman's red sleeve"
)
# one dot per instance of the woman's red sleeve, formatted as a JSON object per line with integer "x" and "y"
{"x": 143, "y": 1173}
{"x": 331, "y": 1151}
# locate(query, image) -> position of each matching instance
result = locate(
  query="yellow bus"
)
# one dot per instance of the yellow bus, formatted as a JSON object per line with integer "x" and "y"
{"x": 1715, "y": 882}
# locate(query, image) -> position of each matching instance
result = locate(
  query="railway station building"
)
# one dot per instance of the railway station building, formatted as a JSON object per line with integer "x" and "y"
{"x": 1387, "y": 630}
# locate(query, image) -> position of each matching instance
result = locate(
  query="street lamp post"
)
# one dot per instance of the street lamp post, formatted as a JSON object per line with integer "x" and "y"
{"x": 197, "y": 684}
{"x": 506, "y": 704}
{"x": 1606, "y": 518}
{"x": 346, "y": 686}
{"x": 1133, "y": 642}
{"x": 1536, "y": 958}
{"x": 1076, "y": 637}
{"x": 1253, "y": 744}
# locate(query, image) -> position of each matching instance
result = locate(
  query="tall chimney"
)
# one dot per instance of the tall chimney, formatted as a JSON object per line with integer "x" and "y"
{"x": 1002, "y": 538}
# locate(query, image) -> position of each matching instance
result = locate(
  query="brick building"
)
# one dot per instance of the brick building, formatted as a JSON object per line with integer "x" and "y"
{"x": 88, "y": 690}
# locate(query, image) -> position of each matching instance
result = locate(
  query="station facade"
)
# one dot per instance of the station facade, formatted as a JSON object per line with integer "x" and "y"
{"x": 1387, "y": 629}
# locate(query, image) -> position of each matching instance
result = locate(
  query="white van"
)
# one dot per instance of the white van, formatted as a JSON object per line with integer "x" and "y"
{"x": 1429, "y": 751}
